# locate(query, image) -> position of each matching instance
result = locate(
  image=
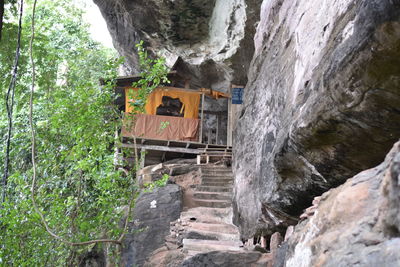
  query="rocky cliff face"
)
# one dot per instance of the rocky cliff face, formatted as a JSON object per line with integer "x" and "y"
{"x": 322, "y": 103}
{"x": 214, "y": 38}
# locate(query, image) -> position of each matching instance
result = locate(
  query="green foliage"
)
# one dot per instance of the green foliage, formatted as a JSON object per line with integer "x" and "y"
{"x": 78, "y": 191}
{"x": 149, "y": 187}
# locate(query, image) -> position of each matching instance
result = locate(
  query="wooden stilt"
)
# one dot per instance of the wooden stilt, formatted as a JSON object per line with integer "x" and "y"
{"x": 142, "y": 158}
{"x": 201, "y": 119}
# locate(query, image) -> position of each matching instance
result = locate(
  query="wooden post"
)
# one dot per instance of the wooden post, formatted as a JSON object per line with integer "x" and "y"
{"x": 143, "y": 158}
{"x": 229, "y": 126}
{"x": 201, "y": 119}
{"x": 217, "y": 133}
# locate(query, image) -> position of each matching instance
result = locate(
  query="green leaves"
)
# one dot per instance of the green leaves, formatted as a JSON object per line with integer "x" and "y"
{"x": 154, "y": 72}
{"x": 149, "y": 187}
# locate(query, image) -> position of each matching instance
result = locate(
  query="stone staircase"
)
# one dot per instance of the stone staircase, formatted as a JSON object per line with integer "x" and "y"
{"x": 208, "y": 226}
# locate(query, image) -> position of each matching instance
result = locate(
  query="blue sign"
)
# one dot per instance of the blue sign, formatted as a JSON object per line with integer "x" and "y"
{"x": 237, "y": 95}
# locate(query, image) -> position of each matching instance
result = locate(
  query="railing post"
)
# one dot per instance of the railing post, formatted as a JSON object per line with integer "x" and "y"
{"x": 201, "y": 119}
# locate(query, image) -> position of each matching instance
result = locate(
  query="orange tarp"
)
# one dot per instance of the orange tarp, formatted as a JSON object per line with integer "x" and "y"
{"x": 162, "y": 127}
{"x": 190, "y": 101}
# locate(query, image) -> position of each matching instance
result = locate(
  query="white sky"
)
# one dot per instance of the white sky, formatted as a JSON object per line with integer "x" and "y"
{"x": 98, "y": 26}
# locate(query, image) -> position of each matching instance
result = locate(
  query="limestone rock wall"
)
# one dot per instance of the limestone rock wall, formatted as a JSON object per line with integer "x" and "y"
{"x": 322, "y": 104}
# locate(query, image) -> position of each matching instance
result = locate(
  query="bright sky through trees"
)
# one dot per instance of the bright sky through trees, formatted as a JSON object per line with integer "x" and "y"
{"x": 98, "y": 27}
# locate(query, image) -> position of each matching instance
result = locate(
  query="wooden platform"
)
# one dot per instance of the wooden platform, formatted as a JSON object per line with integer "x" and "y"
{"x": 157, "y": 151}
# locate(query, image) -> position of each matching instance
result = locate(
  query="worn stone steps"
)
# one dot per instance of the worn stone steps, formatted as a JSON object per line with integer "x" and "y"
{"x": 208, "y": 227}
{"x": 211, "y": 245}
{"x": 213, "y": 195}
{"x": 204, "y": 188}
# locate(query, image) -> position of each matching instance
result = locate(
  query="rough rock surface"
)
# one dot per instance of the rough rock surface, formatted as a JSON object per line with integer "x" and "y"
{"x": 322, "y": 104}
{"x": 153, "y": 213}
{"x": 356, "y": 224}
{"x": 213, "y": 38}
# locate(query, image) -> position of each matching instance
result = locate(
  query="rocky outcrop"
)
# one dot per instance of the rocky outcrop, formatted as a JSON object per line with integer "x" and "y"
{"x": 153, "y": 213}
{"x": 356, "y": 224}
{"x": 322, "y": 104}
{"x": 213, "y": 38}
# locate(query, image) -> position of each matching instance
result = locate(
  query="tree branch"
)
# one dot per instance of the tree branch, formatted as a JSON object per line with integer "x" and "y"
{"x": 11, "y": 93}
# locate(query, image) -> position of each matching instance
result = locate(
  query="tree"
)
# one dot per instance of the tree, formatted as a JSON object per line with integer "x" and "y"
{"x": 78, "y": 190}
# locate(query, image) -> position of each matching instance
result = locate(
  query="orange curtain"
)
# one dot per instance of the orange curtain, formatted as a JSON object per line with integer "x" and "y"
{"x": 150, "y": 126}
{"x": 190, "y": 101}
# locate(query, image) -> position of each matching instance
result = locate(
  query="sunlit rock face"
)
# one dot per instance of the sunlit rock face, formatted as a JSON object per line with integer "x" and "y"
{"x": 214, "y": 38}
{"x": 322, "y": 104}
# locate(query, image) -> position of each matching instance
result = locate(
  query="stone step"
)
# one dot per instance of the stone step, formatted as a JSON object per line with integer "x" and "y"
{"x": 207, "y": 215}
{"x": 210, "y": 235}
{"x": 228, "y": 181}
{"x": 217, "y": 183}
{"x": 204, "y": 169}
{"x": 213, "y": 195}
{"x": 213, "y": 203}
{"x": 211, "y": 245}
{"x": 214, "y": 170}
{"x": 217, "y": 177}
{"x": 218, "y": 228}
{"x": 203, "y": 188}
{"x": 213, "y": 174}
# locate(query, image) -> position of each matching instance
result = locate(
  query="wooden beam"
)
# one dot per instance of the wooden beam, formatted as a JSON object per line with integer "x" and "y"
{"x": 164, "y": 148}
{"x": 202, "y": 91}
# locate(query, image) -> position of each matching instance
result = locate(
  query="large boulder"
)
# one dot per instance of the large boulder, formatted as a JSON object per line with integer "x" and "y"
{"x": 356, "y": 224}
{"x": 322, "y": 104}
{"x": 153, "y": 213}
